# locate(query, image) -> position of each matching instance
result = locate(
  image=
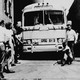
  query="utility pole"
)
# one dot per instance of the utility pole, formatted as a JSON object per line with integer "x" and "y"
{"x": 13, "y": 13}
{"x": 43, "y": 14}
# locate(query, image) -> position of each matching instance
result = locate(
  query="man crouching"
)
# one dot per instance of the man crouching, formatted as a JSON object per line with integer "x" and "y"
{"x": 67, "y": 55}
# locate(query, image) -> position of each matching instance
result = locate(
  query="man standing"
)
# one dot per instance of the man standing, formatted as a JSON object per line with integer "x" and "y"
{"x": 2, "y": 48}
{"x": 71, "y": 36}
{"x": 17, "y": 39}
{"x": 10, "y": 47}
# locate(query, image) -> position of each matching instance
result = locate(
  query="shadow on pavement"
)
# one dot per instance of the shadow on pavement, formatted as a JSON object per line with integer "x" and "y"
{"x": 77, "y": 49}
{"x": 41, "y": 56}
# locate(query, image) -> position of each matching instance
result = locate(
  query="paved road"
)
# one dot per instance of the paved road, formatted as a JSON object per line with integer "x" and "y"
{"x": 44, "y": 70}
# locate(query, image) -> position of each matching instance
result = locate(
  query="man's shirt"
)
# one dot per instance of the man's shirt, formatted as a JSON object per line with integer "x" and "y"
{"x": 71, "y": 35}
{"x": 9, "y": 33}
{"x": 2, "y": 34}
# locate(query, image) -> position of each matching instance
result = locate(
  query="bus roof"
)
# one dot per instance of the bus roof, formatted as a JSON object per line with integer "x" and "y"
{"x": 42, "y": 6}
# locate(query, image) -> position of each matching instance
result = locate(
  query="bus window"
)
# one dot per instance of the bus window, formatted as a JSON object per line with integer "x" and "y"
{"x": 50, "y": 17}
{"x": 33, "y": 18}
{"x": 54, "y": 17}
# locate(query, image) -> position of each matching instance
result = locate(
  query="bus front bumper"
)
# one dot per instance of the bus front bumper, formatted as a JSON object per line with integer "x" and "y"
{"x": 42, "y": 48}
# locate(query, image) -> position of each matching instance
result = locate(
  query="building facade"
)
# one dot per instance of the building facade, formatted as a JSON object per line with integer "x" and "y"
{"x": 6, "y": 11}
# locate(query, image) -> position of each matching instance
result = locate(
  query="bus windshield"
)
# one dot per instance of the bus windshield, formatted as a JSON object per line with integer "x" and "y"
{"x": 43, "y": 17}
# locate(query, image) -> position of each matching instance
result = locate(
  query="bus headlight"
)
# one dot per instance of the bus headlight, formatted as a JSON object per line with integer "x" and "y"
{"x": 51, "y": 40}
{"x": 35, "y": 41}
{"x": 60, "y": 40}
{"x": 63, "y": 39}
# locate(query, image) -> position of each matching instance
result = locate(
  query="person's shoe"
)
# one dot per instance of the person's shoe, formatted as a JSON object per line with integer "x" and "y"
{"x": 3, "y": 78}
{"x": 70, "y": 61}
{"x": 10, "y": 71}
{"x": 63, "y": 63}
{"x": 18, "y": 62}
{"x": 1, "y": 75}
{"x": 15, "y": 61}
{"x": 59, "y": 62}
{"x": 13, "y": 64}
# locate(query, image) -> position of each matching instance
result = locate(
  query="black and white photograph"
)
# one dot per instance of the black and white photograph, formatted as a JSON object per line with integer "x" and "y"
{"x": 39, "y": 39}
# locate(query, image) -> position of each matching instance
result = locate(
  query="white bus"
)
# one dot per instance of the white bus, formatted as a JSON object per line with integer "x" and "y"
{"x": 44, "y": 27}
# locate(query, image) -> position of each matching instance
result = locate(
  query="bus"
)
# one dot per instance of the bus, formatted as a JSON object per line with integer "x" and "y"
{"x": 44, "y": 27}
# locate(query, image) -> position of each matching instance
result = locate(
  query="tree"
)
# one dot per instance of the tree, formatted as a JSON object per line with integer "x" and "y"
{"x": 74, "y": 15}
